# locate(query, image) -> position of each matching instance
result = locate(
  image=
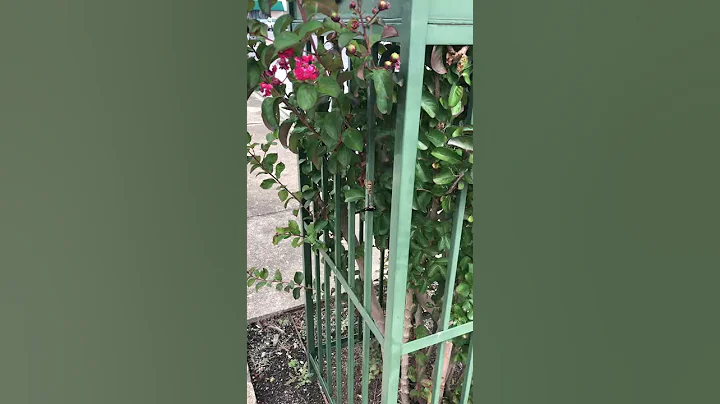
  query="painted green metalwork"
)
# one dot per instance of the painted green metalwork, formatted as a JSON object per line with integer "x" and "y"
{"x": 412, "y": 69}
{"x": 351, "y": 306}
{"x": 307, "y": 267}
{"x": 421, "y": 23}
{"x": 337, "y": 182}
{"x": 449, "y": 286}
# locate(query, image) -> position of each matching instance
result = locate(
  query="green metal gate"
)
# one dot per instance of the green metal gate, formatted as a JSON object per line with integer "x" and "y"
{"x": 422, "y": 23}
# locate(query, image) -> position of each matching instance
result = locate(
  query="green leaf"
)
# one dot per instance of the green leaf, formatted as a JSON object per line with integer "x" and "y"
{"x": 285, "y": 39}
{"x": 422, "y": 172}
{"x": 457, "y": 109}
{"x": 463, "y": 289}
{"x": 267, "y": 184}
{"x": 283, "y": 194}
{"x": 271, "y": 112}
{"x": 278, "y": 275}
{"x": 463, "y": 142}
{"x": 445, "y": 154}
{"x": 345, "y": 38}
{"x": 354, "y": 195}
{"x": 456, "y": 94}
{"x": 260, "y": 285}
{"x": 344, "y": 155}
{"x": 296, "y": 293}
{"x": 436, "y": 137}
{"x": 251, "y": 5}
{"x": 307, "y": 27}
{"x": 283, "y": 22}
{"x": 293, "y": 140}
{"x": 306, "y": 96}
{"x": 250, "y": 281}
{"x": 283, "y": 133}
{"x": 444, "y": 176}
{"x": 328, "y": 85}
{"x": 263, "y": 274}
{"x": 270, "y": 160}
{"x": 279, "y": 168}
{"x": 429, "y": 104}
{"x": 279, "y": 287}
{"x": 421, "y": 331}
{"x": 265, "y": 6}
{"x": 383, "y": 82}
{"x": 253, "y": 80}
{"x": 298, "y": 278}
{"x": 293, "y": 227}
{"x": 332, "y": 124}
{"x": 353, "y": 139}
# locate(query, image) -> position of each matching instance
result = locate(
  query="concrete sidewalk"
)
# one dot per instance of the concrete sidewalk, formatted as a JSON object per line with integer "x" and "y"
{"x": 266, "y": 213}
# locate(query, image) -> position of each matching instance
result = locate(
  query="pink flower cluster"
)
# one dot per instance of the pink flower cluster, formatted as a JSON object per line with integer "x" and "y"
{"x": 266, "y": 89}
{"x": 270, "y": 81}
{"x": 304, "y": 69}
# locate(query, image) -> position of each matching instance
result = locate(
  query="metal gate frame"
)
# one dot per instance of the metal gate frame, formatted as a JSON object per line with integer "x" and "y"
{"x": 439, "y": 23}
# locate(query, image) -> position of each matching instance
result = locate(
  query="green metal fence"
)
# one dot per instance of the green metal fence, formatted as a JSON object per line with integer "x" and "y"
{"x": 423, "y": 23}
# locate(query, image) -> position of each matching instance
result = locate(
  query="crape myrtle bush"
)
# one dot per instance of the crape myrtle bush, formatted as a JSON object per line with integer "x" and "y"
{"x": 326, "y": 122}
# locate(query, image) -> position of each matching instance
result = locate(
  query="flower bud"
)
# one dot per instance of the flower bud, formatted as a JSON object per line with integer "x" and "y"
{"x": 335, "y": 16}
{"x": 351, "y": 49}
{"x": 383, "y": 5}
{"x": 395, "y": 57}
{"x": 352, "y": 5}
{"x": 375, "y": 10}
{"x": 388, "y": 64}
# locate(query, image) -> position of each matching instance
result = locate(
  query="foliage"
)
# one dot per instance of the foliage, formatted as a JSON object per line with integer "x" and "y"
{"x": 328, "y": 128}
{"x": 300, "y": 376}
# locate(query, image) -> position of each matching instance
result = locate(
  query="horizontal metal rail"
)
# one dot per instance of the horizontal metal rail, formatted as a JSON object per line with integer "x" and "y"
{"x": 437, "y": 338}
{"x": 360, "y": 308}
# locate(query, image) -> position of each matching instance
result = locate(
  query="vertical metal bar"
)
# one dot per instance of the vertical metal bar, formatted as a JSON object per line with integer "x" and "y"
{"x": 326, "y": 292}
{"x": 338, "y": 291}
{"x": 307, "y": 266}
{"x": 458, "y": 219}
{"x": 381, "y": 281}
{"x": 368, "y": 253}
{"x": 351, "y": 306}
{"x": 415, "y": 17}
{"x": 465, "y": 395}
{"x": 318, "y": 299}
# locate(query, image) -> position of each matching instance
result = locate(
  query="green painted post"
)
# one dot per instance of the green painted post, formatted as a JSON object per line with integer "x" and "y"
{"x": 307, "y": 266}
{"x": 337, "y": 182}
{"x": 326, "y": 292}
{"x": 412, "y": 54}
{"x": 458, "y": 219}
{"x": 368, "y": 253}
{"x": 351, "y": 306}
{"x": 467, "y": 382}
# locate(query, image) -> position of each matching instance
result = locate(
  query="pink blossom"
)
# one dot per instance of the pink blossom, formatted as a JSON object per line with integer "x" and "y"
{"x": 304, "y": 69}
{"x": 266, "y": 89}
{"x": 283, "y": 64}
